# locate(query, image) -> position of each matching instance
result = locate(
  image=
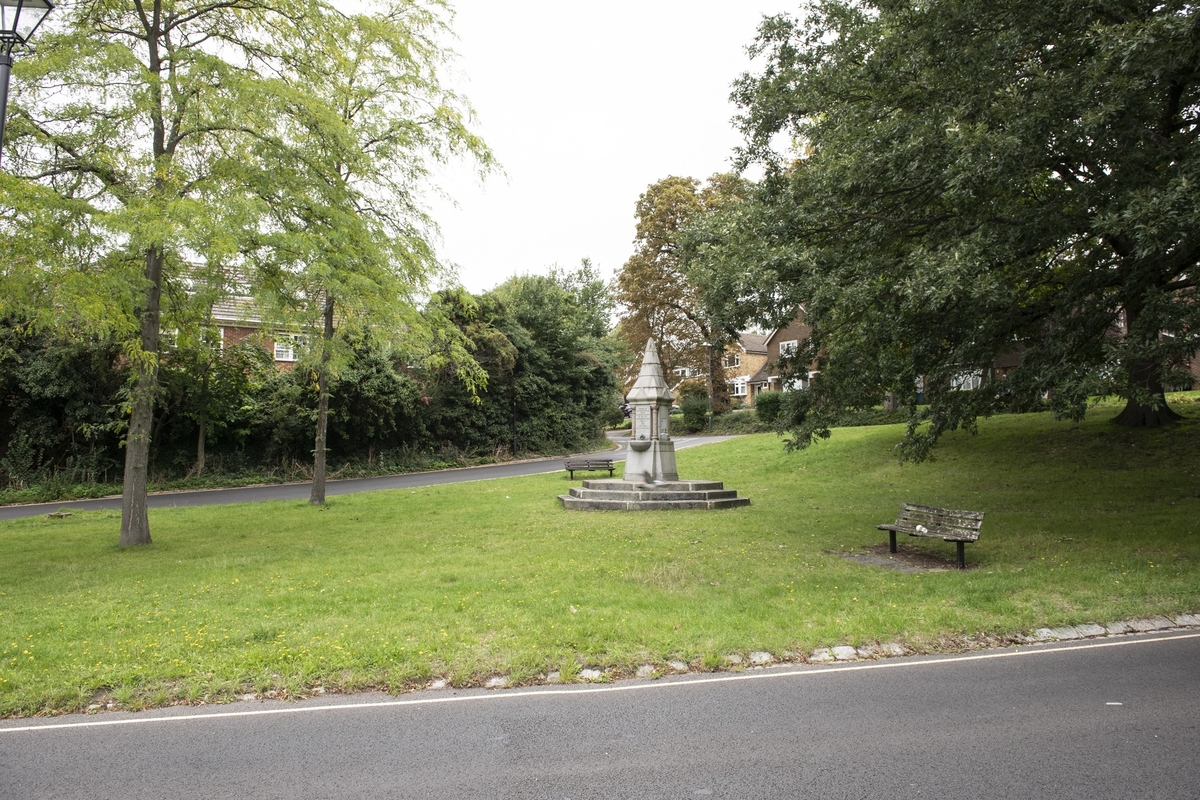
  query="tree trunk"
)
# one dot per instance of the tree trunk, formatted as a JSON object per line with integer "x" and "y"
{"x": 318, "y": 488}
{"x": 719, "y": 389}
{"x": 1140, "y": 415}
{"x": 202, "y": 423}
{"x": 135, "y": 522}
{"x": 1144, "y": 381}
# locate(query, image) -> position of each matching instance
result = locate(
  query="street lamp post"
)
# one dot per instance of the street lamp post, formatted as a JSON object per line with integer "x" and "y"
{"x": 18, "y": 20}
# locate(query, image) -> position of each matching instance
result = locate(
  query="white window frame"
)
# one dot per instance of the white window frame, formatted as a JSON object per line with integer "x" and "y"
{"x": 286, "y": 345}
{"x": 967, "y": 381}
{"x": 801, "y": 383}
{"x": 789, "y": 347}
{"x": 738, "y": 387}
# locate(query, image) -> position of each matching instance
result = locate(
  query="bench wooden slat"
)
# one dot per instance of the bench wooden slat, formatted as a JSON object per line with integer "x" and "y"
{"x": 951, "y": 525}
{"x": 949, "y": 512}
{"x": 573, "y": 465}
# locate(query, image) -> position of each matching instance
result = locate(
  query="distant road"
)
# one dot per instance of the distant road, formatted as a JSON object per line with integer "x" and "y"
{"x": 300, "y": 491}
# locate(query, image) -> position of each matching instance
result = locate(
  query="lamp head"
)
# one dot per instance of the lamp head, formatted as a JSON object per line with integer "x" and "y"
{"x": 19, "y": 19}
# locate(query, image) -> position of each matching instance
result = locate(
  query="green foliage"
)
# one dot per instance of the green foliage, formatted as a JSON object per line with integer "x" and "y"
{"x": 60, "y": 408}
{"x": 61, "y": 422}
{"x": 185, "y": 151}
{"x": 693, "y": 387}
{"x": 970, "y": 180}
{"x": 657, "y": 298}
{"x": 738, "y": 422}
{"x": 695, "y": 413}
{"x": 551, "y": 369}
{"x": 767, "y": 406}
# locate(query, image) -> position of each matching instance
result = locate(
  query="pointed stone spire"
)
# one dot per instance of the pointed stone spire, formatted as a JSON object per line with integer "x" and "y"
{"x": 650, "y": 386}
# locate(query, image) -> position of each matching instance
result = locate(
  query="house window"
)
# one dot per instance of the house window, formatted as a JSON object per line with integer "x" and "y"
{"x": 966, "y": 381}
{"x": 733, "y": 360}
{"x": 800, "y": 383}
{"x": 286, "y": 347}
{"x": 788, "y": 348}
{"x": 168, "y": 340}
{"x": 737, "y": 387}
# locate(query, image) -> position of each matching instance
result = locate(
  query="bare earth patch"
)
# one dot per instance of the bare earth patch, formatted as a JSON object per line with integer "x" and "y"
{"x": 907, "y": 559}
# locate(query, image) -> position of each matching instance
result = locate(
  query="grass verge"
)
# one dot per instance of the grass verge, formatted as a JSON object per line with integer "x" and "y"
{"x": 392, "y": 589}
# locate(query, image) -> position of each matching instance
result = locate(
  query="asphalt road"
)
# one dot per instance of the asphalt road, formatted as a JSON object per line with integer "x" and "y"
{"x": 1110, "y": 718}
{"x": 300, "y": 491}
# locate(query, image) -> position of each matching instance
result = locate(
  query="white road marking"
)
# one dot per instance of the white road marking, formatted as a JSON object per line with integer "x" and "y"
{"x": 805, "y": 672}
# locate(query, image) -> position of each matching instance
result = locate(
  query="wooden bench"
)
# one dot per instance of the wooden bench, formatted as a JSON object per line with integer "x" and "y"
{"x": 947, "y": 524}
{"x": 574, "y": 465}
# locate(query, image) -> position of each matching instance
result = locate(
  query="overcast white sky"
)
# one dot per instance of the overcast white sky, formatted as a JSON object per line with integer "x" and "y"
{"x": 585, "y": 105}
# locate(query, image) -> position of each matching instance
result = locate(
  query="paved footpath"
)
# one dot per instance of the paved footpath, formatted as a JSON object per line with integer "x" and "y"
{"x": 300, "y": 491}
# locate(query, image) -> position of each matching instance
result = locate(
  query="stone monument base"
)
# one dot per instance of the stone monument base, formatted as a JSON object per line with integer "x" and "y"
{"x": 625, "y": 495}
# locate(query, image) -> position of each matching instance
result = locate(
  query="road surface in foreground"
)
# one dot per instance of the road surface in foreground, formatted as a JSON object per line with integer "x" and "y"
{"x": 1108, "y": 718}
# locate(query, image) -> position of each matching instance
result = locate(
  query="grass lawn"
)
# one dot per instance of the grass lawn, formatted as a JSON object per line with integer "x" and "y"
{"x": 1088, "y": 523}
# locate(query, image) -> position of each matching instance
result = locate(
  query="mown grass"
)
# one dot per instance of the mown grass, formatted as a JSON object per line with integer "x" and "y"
{"x": 391, "y": 589}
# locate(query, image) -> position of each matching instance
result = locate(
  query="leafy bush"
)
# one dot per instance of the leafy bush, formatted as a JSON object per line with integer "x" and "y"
{"x": 739, "y": 421}
{"x": 695, "y": 413}
{"x": 870, "y": 416}
{"x": 767, "y": 406}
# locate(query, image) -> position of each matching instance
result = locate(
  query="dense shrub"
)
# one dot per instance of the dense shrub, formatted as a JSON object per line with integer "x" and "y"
{"x": 60, "y": 408}
{"x": 551, "y": 386}
{"x": 767, "y": 406}
{"x": 738, "y": 421}
{"x": 695, "y": 413}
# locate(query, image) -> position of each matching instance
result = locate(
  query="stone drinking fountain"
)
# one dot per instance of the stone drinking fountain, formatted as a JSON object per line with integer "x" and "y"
{"x": 651, "y": 479}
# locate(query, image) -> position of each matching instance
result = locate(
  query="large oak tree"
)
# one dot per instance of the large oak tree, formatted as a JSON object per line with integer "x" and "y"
{"x": 973, "y": 179}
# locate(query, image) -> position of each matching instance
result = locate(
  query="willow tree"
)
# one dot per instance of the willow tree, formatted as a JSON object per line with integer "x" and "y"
{"x": 345, "y": 244}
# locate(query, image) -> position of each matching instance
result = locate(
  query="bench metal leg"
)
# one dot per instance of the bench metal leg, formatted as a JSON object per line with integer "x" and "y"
{"x": 572, "y": 474}
{"x": 892, "y": 538}
{"x": 962, "y": 559}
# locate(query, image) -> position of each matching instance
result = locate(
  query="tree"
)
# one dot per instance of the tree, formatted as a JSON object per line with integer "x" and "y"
{"x": 150, "y": 134}
{"x": 121, "y": 126}
{"x": 348, "y": 246}
{"x": 972, "y": 178}
{"x": 550, "y": 363}
{"x": 658, "y": 298}
{"x": 564, "y": 379}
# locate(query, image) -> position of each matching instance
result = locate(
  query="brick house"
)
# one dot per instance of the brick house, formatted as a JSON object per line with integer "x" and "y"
{"x": 743, "y": 360}
{"x": 238, "y": 320}
{"x": 777, "y": 343}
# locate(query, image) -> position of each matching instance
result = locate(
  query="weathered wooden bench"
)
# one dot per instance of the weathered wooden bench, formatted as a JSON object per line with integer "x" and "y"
{"x": 947, "y": 524}
{"x": 574, "y": 465}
